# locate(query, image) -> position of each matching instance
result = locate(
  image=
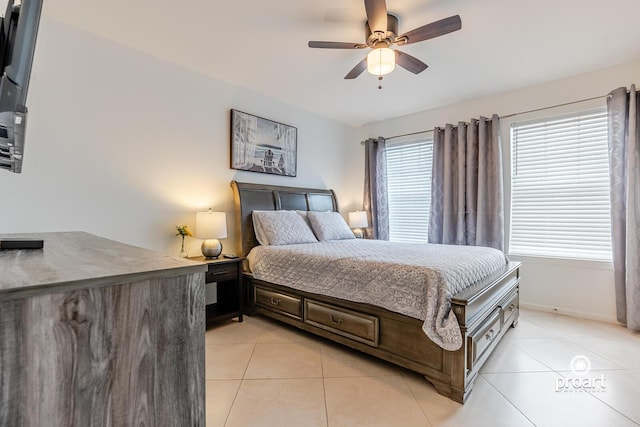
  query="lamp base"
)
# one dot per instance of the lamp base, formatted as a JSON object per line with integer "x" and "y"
{"x": 211, "y": 248}
{"x": 358, "y": 233}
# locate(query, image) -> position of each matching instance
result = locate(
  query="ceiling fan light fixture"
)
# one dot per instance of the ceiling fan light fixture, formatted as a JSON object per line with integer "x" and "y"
{"x": 381, "y": 61}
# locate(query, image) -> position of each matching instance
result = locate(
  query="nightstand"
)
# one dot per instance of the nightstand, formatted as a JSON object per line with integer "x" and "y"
{"x": 227, "y": 274}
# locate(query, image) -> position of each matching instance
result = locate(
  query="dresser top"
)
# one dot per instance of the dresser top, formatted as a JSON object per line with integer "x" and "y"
{"x": 77, "y": 260}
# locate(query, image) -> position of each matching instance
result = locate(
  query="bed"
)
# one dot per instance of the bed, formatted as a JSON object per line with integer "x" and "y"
{"x": 483, "y": 311}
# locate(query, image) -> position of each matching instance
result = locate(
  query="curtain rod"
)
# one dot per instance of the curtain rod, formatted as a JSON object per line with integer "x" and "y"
{"x": 409, "y": 134}
{"x": 508, "y": 115}
{"x": 553, "y": 106}
{"x": 404, "y": 134}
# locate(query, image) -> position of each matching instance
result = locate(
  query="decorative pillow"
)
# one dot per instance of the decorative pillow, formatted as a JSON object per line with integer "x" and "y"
{"x": 282, "y": 228}
{"x": 329, "y": 226}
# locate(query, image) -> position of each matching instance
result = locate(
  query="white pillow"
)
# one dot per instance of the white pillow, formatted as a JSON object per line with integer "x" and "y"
{"x": 257, "y": 227}
{"x": 303, "y": 214}
{"x": 281, "y": 228}
{"x": 329, "y": 226}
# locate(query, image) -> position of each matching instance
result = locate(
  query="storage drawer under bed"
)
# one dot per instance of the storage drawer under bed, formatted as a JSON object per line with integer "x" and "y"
{"x": 280, "y": 303}
{"x": 509, "y": 306}
{"x": 351, "y": 324}
{"x": 480, "y": 340}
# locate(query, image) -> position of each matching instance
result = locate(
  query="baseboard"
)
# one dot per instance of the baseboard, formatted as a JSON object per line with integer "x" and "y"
{"x": 569, "y": 312}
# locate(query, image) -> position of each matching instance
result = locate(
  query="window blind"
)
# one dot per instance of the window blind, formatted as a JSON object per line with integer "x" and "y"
{"x": 409, "y": 189}
{"x": 560, "y": 188}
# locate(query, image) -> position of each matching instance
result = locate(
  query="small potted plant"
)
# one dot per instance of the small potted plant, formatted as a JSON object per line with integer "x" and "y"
{"x": 183, "y": 231}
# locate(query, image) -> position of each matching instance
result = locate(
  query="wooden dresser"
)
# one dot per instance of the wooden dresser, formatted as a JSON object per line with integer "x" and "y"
{"x": 95, "y": 333}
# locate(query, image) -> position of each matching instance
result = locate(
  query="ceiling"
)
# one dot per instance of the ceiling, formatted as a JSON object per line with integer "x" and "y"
{"x": 262, "y": 45}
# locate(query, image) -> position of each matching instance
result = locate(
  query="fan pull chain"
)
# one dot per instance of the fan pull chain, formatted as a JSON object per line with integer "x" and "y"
{"x": 380, "y": 80}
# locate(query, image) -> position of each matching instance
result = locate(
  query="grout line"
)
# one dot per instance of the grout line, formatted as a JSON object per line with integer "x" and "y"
{"x": 416, "y": 399}
{"x": 516, "y": 407}
{"x": 235, "y": 397}
{"x": 365, "y": 376}
{"x": 568, "y": 340}
{"x": 324, "y": 388}
{"x": 326, "y": 410}
{"x": 596, "y": 352}
{"x": 253, "y": 350}
{"x": 534, "y": 358}
{"x": 233, "y": 402}
{"x": 611, "y": 407}
{"x": 564, "y": 375}
{"x": 560, "y": 371}
{"x": 614, "y": 409}
{"x": 550, "y": 371}
{"x": 322, "y": 365}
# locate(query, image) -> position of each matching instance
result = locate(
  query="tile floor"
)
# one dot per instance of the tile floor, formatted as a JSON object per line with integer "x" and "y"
{"x": 263, "y": 373}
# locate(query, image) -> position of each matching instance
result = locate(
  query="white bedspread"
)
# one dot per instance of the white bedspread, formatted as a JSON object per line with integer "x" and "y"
{"x": 417, "y": 280}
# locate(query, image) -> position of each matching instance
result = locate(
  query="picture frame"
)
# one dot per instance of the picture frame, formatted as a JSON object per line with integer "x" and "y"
{"x": 262, "y": 145}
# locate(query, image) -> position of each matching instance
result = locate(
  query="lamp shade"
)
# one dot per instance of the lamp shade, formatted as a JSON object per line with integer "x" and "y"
{"x": 358, "y": 219}
{"x": 211, "y": 225}
{"x": 381, "y": 61}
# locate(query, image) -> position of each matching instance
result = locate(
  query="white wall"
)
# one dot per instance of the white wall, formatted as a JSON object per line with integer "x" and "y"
{"x": 126, "y": 146}
{"x": 578, "y": 288}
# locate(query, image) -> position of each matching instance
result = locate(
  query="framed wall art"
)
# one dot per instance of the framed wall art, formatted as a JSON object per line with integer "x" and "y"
{"x": 262, "y": 145}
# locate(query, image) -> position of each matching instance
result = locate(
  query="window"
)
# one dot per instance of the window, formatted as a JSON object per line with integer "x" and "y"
{"x": 409, "y": 189}
{"x": 560, "y": 188}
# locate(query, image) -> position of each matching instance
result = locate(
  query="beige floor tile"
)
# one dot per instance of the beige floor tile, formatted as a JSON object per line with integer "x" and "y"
{"x": 526, "y": 329}
{"x": 625, "y": 351}
{"x": 535, "y": 395}
{"x": 220, "y": 395}
{"x": 339, "y": 361}
{"x": 572, "y": 326}
{"x": 227, "y": 361}
{"x": 368, "y": 401}
{"x": 510, "y": 358}
{"x": 514, "y": 388}
{"x": 618, "y": 389}
{"x": 234, "y": 332}
{"x": 557, "y": 353}
{"x": 279, "y": 403}
{"x": 288, "y": 334}
{"x": 484, "y": 407}
{"x": 284, "y": 360}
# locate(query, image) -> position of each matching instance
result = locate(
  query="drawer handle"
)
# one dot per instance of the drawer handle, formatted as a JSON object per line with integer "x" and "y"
{"x": 337, "y": 321}
{"x": 275, "y": 301}
{"x": 512, "y": 306}
{"x": 218, "y": 273}
{"x": 489, "y": 335}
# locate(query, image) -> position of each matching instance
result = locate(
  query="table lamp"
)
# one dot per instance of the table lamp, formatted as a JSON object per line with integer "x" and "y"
{"x": 358, "y": 221}
{"x": 211, "y": 226}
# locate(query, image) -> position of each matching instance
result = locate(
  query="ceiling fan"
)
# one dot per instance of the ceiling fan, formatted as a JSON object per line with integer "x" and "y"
{"x": 381, "y": 31}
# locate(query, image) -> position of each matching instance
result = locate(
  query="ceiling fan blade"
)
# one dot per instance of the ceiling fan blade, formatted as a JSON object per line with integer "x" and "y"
{"x": 429, "y": 31}
{"x": 336, "y": 45}
{"x": 410, "y": 63}
{"x": 376, "y": 15}
{"x": 357, "y": 70}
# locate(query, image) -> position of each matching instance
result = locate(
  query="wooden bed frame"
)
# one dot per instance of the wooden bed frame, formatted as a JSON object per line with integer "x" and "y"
{"x": 484, "y": 311}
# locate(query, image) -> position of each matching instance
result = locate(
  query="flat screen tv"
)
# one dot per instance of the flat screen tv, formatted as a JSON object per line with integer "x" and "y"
{"x": 18, "y": 31}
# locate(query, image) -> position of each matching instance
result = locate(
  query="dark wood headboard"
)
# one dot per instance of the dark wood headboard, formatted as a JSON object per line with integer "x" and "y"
{"x": 249, "y": 197}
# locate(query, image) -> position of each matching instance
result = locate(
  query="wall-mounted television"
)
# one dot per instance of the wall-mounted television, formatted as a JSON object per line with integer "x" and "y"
{"x": 18, "y": 31}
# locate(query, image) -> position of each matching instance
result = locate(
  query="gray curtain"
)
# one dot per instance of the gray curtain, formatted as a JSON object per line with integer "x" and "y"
{"x": 466, "y": 186}
{"x": 375, "y": 189}
{"x": 624, "y": 170}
